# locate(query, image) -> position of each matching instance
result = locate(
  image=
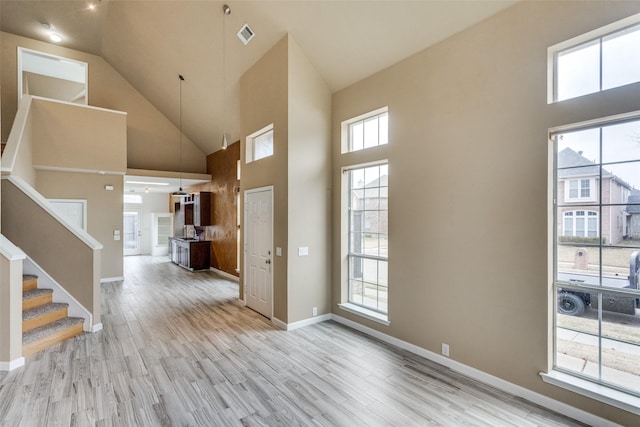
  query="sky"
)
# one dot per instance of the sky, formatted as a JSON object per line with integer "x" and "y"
{"x": 579, "y": 73}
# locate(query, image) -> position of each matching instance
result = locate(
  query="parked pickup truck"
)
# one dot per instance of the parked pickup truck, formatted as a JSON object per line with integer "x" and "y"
{"x": 574, "y": 303}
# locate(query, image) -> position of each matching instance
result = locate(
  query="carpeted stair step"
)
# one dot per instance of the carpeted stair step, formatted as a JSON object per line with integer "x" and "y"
{"x": 29, "y": 282}
{"x": 43, "y": 314}
{"x": 52, "y": 333}
{"x": 36, "y": 297}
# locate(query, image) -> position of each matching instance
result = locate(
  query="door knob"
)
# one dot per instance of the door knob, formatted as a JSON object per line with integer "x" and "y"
{"x": 268, "y": 261}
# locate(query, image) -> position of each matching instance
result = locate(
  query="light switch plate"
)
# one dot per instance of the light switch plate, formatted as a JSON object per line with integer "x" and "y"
{"x": 278, "y": 251}
{"x": 303, "y": 251}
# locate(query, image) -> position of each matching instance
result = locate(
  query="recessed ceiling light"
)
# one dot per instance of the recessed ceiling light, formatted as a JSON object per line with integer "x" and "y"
{"x": 92, "y": 6}
{"x": 55, "y": 38}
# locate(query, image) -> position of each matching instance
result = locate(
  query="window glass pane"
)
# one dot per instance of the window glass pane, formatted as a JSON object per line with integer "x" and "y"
{"x": 578, "y": 258}
{"x": 132, "y": 198}
{"x": 621, "y": 58}
{"x": 621, "y": 142}
{"x": 617, "y": 264}
{"x": 621, "y": 341}
{"x": 578, "y": 71}
{"x": 576, "y": 333}
{"x": 356, "y": 137}
{"x": 371, "y": 136}
{"x": 578, "y": 148}
{"x": 384, "y": 129}
{"x": 263, "y": 146}
{"x": 368, "y": 241}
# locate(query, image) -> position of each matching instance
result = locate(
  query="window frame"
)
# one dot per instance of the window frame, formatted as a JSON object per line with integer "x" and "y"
{"x": 592, "y": 187}
{"x": 595, "y": 388}
{"x": 250, "y": 149}
{"x": 361, "y": 255}
{"x": 590, "y": 37}
{"x": 347, "y": 124}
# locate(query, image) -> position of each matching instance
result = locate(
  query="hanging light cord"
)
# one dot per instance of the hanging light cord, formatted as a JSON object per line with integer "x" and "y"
{"x": 226, "y": 10}
{"x": 180, "y": 123}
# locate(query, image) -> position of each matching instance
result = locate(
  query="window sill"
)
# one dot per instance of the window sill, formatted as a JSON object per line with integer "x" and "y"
{"x": 595, "y": 391}
{"x": 369, "y": 314}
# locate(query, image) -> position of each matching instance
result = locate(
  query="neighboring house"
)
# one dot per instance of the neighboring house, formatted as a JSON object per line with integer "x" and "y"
{"x": 633, "y": 215}
{"x": 578, "y": 192}
{"x": 370, "y": 205}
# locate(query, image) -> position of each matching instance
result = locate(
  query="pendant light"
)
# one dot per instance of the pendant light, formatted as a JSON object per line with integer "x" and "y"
{"x": 180, "y": 193}
{"x": 226, "y": 10}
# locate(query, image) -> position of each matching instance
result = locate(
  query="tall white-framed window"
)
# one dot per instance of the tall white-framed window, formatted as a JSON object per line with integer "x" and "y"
{"x": 366, "y": 131}
{"x": 599, "y": 60}
{"x": 368, "y": 236}
{"x": 596, "y": 256}
{"x": 259, "y": 144}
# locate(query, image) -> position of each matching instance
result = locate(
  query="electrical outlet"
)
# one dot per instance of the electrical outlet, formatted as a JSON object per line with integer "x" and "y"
{"x": 315, "y": 311}
{"x": 445, "y": 349}
{"x": 303, "y": 251}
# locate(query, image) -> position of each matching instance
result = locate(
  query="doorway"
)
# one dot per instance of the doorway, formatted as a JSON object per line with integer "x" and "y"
{"x": 52, "y": 76}
{"x": 258, "y": 261}
{"x": 132, "y": 234}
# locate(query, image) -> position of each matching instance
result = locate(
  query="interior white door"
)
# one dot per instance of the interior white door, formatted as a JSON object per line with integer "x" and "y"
{"x": 132, "y": 234}
{"x": 258, "y": 277}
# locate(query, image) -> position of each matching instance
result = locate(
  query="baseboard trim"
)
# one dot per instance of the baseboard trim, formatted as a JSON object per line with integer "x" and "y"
{"x": 499, "y": 383}
{"x": 10, "y": 366}
{"x": 225, "y": 274}
{"x": 97, "y": 327}
{"x": 302, "y": 323}
{"x": 112, "y": 279}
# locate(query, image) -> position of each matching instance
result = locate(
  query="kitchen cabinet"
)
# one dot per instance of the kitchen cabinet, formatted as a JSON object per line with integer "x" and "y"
{"x": 190, "y": 254}
{"x": 202, "y": 208}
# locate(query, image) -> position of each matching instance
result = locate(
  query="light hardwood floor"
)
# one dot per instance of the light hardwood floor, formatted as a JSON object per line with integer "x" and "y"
{"x": 177, "y": 349}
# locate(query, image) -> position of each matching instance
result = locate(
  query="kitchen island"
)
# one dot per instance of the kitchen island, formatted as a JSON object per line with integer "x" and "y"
{"x": 191, "y": 254}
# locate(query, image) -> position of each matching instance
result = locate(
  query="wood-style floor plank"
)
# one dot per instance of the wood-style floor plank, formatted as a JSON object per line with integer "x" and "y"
{"x": 178, "y": 349}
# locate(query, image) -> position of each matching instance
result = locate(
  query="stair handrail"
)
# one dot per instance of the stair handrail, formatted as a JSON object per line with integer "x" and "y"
{"x": 41, "y": 201}
{"x": 11, "y": 150}
{"x": 10, "y": 251}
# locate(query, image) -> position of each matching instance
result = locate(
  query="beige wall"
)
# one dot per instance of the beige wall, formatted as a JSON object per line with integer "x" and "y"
{"x": 76, "y": 137}
{"x": 309, "y": 183}
{"x": 75, "y": 266}
{"x": 153, "y": 141}
{"x": 468, "y": 124}
{"x": 264, "y": 100}
{"x": 294, "y": 97}
{"x": 104, "y": 209}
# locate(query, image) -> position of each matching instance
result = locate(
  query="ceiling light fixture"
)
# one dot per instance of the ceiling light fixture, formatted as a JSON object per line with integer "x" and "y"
{"x": 55, "y": 38}
{"x": 226, "y": 10}
{"x": 180, "y": 193}
{"x": 146, "y": 183}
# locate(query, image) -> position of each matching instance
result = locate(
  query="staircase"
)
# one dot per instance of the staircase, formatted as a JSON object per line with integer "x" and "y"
{"x": 44, "y": 323}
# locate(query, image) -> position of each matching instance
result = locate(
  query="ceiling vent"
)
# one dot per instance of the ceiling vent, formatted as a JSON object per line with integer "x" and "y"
{"x": 245, "y": 34}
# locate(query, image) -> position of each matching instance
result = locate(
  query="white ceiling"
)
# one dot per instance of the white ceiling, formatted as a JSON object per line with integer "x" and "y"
{"x": 151, "y": 42}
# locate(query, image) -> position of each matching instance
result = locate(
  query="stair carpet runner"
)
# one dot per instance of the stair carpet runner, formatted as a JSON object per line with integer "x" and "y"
{"x": 44, "y": 322}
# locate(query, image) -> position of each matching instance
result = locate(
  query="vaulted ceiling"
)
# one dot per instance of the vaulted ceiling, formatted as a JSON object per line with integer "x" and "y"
{"x": 151, "y": 42}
